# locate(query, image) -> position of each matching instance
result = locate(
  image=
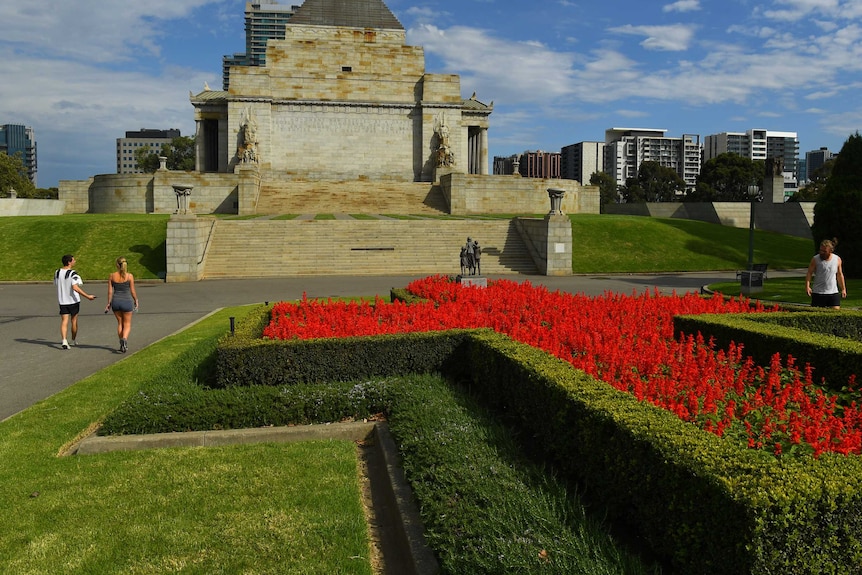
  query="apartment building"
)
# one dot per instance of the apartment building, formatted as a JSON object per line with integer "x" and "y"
{"x": 814, "y": 159}
{"x": 19, "y": 139}
{"x": 538, "y": 164}
{"x": 263, "y": 21}
{"x": 759, "y": 144}
{"x": 126, "y": 147}
{"x": 580, "y": 161}
{"x": 627, "y": 148}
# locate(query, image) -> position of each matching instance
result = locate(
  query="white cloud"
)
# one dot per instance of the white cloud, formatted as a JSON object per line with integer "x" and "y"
{"x": 674, "y": 37}
{"x": 794, "y": 10}
{"x": 523, "y": 71}
{"x": 682, "y": 6}
{"x": 631, "y": 113}
{"x": 90, "y": 30}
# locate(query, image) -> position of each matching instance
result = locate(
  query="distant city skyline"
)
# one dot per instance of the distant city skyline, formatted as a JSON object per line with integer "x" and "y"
{"x": 559, "y": 72}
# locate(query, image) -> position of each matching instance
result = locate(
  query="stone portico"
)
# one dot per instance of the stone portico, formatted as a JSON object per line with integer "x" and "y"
{"x": 342, "y": 97}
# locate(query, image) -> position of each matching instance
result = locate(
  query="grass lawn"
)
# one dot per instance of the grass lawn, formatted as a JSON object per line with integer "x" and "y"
{"x": 791, "y": 290}
{"x": 242, "y": 509}
{"x": 35, "y": 245}
{"x": 632, "y": 244}
{"x": 602, "y": 244}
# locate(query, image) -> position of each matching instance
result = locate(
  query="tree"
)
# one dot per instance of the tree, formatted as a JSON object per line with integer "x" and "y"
{"x": 13, "y": 175}
{"x": 654, "y": 183}
{"x": 607, "y": 187}
{"x": 838, "y": 211}
{"x": 726, "y": 178}
{"x": 180, "y": 152}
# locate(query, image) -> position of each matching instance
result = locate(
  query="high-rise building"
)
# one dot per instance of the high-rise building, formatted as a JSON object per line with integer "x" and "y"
{"x": 126, "y": 147}
{"x": 21, "y": 140}
{"x": 540, "y": 164}
{"x": 263, "y": 20}
{"x": 758, "y": 144}
{"x": 580, "y": 161}
{"x": 814, "y": 159}
{"x": 536, "y": 164}
{"x": 627, "y": 148}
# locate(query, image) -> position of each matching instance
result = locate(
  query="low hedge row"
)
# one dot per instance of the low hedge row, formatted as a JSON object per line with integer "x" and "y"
{"x": 825, "y": 339}
{"x": 246, "y": 359}
{"x": 185, "y": 406}
{"x": 709, "y": 504}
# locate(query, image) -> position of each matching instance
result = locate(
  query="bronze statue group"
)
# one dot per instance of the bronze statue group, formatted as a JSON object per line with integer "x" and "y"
{"x": 471, "y": 258}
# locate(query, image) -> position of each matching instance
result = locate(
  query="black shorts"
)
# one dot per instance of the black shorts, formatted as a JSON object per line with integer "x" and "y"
{"x": 71, "y": 309}
{"x": 825, "y": 300}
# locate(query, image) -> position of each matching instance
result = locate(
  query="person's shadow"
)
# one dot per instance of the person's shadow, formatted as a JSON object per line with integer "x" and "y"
{"x": 56, "y": 345}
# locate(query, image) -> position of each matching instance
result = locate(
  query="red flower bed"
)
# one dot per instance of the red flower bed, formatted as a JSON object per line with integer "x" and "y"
{"x": 626, "y": 341}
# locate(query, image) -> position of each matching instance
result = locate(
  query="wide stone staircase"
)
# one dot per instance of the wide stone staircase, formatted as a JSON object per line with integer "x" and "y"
{"x": 278, "y": 248}
{"x": 354, "y": 197}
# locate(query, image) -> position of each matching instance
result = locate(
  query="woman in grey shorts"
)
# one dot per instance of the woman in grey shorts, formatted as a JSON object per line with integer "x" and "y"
{"x": 122, "y": 300}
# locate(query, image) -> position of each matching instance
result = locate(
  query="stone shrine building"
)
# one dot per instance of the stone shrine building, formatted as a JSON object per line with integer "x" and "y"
{"x": 341, "y": 120}
{"x": 342, "y": 97}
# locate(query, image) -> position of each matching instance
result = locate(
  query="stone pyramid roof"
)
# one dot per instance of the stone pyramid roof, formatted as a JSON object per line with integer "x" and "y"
{"x": 350, "y": 13}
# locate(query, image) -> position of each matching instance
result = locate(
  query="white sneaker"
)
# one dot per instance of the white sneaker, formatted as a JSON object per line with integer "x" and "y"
{"x": 65, "y": 345}
{"x": 74, "y": 343}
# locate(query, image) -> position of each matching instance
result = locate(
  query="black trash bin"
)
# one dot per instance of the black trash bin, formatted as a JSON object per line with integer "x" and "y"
{"x": 752, "y": 281}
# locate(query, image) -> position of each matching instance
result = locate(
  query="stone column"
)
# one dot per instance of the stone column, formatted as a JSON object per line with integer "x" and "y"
{"x": 483, "y": 156}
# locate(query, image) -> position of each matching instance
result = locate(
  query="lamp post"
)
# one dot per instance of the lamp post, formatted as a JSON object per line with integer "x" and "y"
{"x": 753, "y": 191}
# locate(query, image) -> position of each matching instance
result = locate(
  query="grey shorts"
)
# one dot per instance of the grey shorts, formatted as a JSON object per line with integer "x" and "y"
{"x": 122, "y": 305}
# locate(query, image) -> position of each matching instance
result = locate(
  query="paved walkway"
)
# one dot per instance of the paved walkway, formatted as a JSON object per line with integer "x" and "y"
{"x": 33, "y": 367}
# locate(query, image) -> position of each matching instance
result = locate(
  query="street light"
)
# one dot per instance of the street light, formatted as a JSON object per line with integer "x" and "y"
{"x": 753, "y": 191}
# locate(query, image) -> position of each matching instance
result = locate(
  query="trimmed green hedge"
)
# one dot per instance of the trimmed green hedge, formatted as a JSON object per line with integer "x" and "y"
{"x": 709, "y": 504}
{"x": 807, "y": 336}
{"x": 246, "y": 359}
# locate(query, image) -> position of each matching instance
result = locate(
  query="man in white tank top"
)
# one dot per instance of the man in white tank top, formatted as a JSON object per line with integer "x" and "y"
{"x": 828, "y": 272}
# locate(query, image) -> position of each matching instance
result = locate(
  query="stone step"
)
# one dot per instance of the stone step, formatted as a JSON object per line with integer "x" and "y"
{"x": 287, "y": 197}
{"x": 273, "y": 248}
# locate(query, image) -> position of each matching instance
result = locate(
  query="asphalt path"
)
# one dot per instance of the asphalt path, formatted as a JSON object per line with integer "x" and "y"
{"x": 34, "y": 367}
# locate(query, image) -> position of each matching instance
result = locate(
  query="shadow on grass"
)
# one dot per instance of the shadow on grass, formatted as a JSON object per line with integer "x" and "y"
{"x": 153, "y": 259}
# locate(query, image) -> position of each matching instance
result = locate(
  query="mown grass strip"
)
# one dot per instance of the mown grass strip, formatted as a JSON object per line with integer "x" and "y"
{"x": 262, "y": 508}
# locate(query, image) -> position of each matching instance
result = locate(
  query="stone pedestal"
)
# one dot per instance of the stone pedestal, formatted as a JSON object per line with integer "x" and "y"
{"x": 559, "y": 245}
{"x": 186, "y": 244}
{"x": 474, "y": 281}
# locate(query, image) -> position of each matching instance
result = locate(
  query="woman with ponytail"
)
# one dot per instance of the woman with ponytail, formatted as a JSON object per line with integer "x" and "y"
{"x": 122, "y": 300}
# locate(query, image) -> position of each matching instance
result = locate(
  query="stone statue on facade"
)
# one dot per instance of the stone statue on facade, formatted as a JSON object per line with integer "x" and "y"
{"x": 445, "y": 157}
{"x": 247, "y": 150}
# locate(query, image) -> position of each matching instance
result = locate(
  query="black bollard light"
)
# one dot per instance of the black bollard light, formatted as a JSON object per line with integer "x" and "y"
{"x": 232, "y": 320}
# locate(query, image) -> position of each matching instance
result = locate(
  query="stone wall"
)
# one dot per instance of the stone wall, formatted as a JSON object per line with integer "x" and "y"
{"x": 791, "y": 218}
{"x": 151, "y": 193}
{"x": 76, "y": 195}
{"x": 31, "y": 207}
{"x": 468, "y": 194}
{"x": 211, "y": 193}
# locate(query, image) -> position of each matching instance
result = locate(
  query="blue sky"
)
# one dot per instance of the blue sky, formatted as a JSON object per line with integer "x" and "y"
{"x": 83, "y": 72}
